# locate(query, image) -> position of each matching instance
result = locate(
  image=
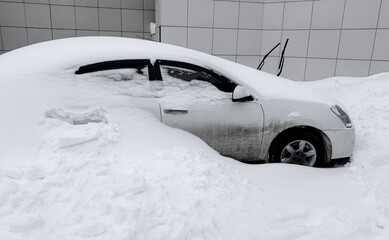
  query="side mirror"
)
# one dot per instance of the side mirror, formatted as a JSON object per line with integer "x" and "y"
{"x": 240, "y": 94}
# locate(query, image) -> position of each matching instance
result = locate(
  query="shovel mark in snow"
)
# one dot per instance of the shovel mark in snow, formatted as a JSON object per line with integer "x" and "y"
{"x": 96, "y": 116}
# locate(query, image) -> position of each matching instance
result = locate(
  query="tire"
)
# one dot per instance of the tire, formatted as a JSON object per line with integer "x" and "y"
{"x": 298, "y": 147}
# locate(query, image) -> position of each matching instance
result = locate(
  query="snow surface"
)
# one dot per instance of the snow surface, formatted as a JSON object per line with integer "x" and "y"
{"x": 78, "y": 161}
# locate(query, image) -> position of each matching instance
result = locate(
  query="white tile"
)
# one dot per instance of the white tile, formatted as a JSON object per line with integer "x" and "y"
{"x": 110, "y": 3}
{"x": 149, "y": 4}
{"x": 173, "y": 13}
{"x": 38, "y": 15}
{"x": 294, "y": 68}
{"x": 148, "y": 17}
{"x": 87, "y": 18}
{"x": 110, "y": 19}
{"x": 231, "y": 58}
{"x": 297, "y": 15}
{"x": 270, "y": 38}
{"x": 82, "y": 33}
{"x": 57, "y": 34}
{"x": 12, "y": 14}
{"x": 200, "y": 13}
{"x": 298, "y": 42}
{"x": 62, "y": 2}
{"x": 379, "y": 67}
{"x": 250, "y": 61}
{"x": 138, "y": 35}
{"x": 273, "y": 15}
{"x": 327, "y": 14}
{"x": 132, "y": 20}
{"x": 110, "y": 34}
{"x": 249, "y": 42}
{"x": 35, "y": 1}
{"x": 361, "y": 13}
{"x": 200, "y": 39}
{"x": 270, "y": 65}
{"x": 384, "y": 15}
{"x": 224, "y": 41}
{"x": 381, "y": 47}
{"x": 324, "y": 43}
{"x": 63, "y": 17}
{"x": 352, "y": 68}
{"x": 356, "y": 44}
{"x": 13, "y": 38}
{"x": 132, "y": 4}
{"x": 319, "y": 69}
{"x": 174, "y": 35}
{"x": 226, "y": 14}
{"x": 251, "y": 15}
{"x": 38, "y": 35}
{"x": 86, "y": 3}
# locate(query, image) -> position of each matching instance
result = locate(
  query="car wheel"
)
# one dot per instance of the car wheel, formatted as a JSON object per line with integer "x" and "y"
{"x": 298, "y": 147}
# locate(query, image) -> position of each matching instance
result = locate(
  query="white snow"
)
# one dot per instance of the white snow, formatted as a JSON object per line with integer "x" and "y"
{"x": 77, "y": 161}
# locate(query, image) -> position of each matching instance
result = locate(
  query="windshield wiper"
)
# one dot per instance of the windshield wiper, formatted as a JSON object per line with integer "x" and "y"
{"x": 264, "y": 58}
{"x": 282, "y": 59}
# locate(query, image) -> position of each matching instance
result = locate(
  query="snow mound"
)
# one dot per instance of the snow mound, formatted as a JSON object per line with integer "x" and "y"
{"x": 95, "y": 116}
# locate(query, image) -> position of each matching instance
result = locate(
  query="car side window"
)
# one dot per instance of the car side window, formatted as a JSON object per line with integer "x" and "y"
{"x": 189, "y": 72}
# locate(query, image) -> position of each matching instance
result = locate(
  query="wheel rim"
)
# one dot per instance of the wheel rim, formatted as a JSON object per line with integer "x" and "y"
{"x": 299, "y": 152}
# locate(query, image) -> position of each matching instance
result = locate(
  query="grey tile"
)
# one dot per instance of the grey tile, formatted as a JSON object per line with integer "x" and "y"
{"x": 38, "y": 15}
{"x": 13, "y": 38}
{"x": 86, "y": 3}
{"x": 379, "y": 67}
{"x": 174, "y": 35}
{"x": 63, "y": 17}
{"x": 87, "y": 18}
{"x": 200, "y": 39}
{"x": 361, "y": 14}
{"x": 149, "y": 4}
{"x": 356, "y": 44}
{"x": 384, "y": 15}
{"x": 132, "y": 20}
{"x": 251, "y": 15}
{"x": 132, "y": 4}
{"x": 297, "y": 15}
{"x": 298, "y": 42}
{"x": 226, "y": 14}
{"x": 137, "y": 35}
{"x": 57, "y": 34}
{"x": 1, "y": 41}
{"x": 319, "y": 69}
{"x": 62, "y": 2}
{"x": 352, "y": 68}
{"x": 273, "y": 15}
{"x": 327, "y": 14}
{"x": 270, "y": 65}
{"x": 173, "y": 13}
{"x": 224, "y": 41}
{"x": 12, "y": 14}
{"x": 381, "y": 47}
{"x": 324, "y": 43}
{"x": 249, "y": 42}
{"x": 110, "y": 19}
{"x": 231, "y": 58}
{"x": 35, "y": 1}
{"x": 38, "y": 35}
{"x": 250, "y": 61}
{"x": 200, "y": 13}
{"x": 110, "y": 3}
{"x": 148, "y": 17}
{"x": 270, "y": 38}
{"x": 147, "y": 36}
{"x": 83, "y": 33}
{"x": 294, "y": 68}
{"x": 110, "y": 34}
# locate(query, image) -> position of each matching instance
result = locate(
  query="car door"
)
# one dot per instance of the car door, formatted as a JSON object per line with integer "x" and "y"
{"x": 199, "y": 101}
{"x": 134, "y": 79}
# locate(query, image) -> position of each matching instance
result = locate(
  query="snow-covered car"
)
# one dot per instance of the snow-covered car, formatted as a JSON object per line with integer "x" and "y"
{"x": 240, "y": 112}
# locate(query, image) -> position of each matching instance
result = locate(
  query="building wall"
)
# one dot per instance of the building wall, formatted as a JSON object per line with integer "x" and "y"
{"x": 24, "y": 22}
{"x": 326, "y": 37}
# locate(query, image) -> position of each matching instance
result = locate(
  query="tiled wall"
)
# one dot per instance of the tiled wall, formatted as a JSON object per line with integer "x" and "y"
{"x": 24, "y": 22}
{"x": 326, "y": 37}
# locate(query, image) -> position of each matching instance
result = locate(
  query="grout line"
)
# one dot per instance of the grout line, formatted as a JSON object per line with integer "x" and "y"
{"x": 187, "y": 23}
{"x": 237, "y": 35}
{"x": 340, "y": 38}
{"x": 375, "y": 37}
{"x": 1, "y": 36}
{"x": 309, "y": 39}
{"x": 25, "y": 22}
{"x": 213, "y": 26}
{"x": 75, "y": 18}
{"x": 51, "y": 22}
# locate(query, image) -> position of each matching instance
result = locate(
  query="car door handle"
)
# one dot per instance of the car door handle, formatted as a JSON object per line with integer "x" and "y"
{"x": 175, "y": 111}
